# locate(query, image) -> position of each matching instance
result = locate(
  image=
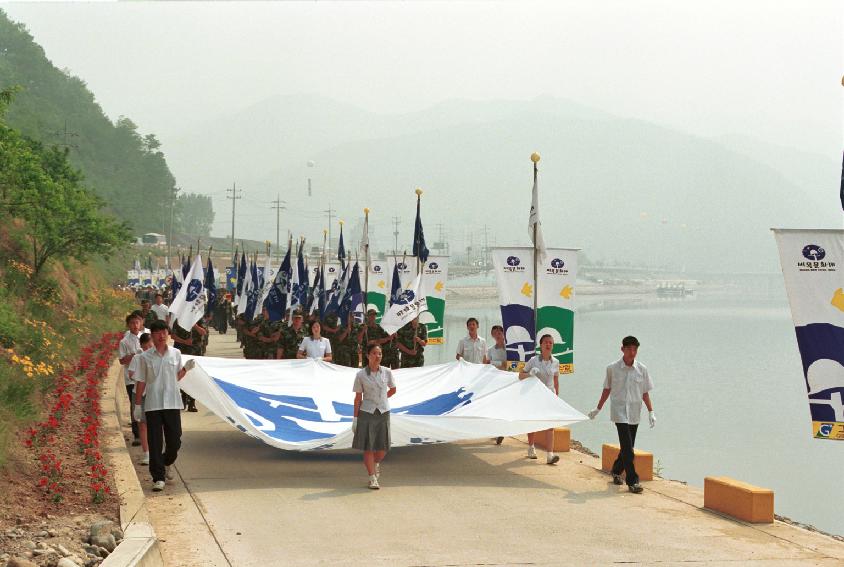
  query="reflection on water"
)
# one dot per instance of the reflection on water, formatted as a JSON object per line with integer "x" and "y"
{"x": 729, "y": 396}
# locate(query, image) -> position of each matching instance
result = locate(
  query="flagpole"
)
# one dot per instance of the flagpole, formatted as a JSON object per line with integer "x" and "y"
{"x": 534, "y": 157}
{"x": 418, "y": 205}
{"x": 366, "y": 277}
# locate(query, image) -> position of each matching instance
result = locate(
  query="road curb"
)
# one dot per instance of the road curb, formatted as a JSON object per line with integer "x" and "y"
{"x": 140, "y": 544}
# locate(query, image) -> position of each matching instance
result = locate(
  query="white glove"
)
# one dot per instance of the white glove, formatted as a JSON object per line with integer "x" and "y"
{"x": 138, "y": 412}
{"x": 534, "y": 372}
{"x": 189, "y": 365}
{"x": 652, "y": 418}
{"x": 592, "y": 414}
{"x": 354, "y": 426}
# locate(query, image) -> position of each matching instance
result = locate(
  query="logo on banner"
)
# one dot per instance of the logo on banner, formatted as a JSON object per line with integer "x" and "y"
{"x": 825, "y": 430}
{"x": 376, "y": 268}
{"x": 401, "y": 265}
{"x": 194, "y": 287}
{"x": 557, "y": 266}
{"x": 814, "y": 255}
{"x": 405, "y": 297}
{"x": 433, "y": 268}
{"x": 514, "y": 264}
{"x": 331, "y": 269}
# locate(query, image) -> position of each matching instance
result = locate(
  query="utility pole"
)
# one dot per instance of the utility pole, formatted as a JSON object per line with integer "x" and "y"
{"x": 170, "y": 237}
{"x": 396, "y": 222}
{"x": 277, "y": 205}
{"x": 66, "y": 135}
{"x": 234, "y": 197}
{"x": 330, "y": 212}
{"x": 486, "y": 247}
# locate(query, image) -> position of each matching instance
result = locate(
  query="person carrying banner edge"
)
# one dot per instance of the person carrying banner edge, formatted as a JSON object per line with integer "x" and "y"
{"x": 627, "y": 385}
{"x": 374, "y": 385}
{"x": 547, "y": 369}
{"x": 472, "y": 348}
{"x": 497, "y": 356}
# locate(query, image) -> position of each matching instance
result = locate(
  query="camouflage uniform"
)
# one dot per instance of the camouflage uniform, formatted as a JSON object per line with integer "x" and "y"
{"x": 389, "y": 350}
{"x": 179, "y": 332}
{"x": 200, "y": 340}
{"x": 330, "y": 322}
{"x": 406, "y": 336}
{"x": 251, "y": 347}
{"x": 150, "y": 318}
{"x": 266, "y": 330}
{"x": 350, "y": 347}
{"x": 291, "y": 339}
{"x": 239, "y": 324}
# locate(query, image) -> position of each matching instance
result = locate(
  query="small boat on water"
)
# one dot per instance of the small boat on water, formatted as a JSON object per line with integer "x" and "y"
{"x": 673, "y": 289}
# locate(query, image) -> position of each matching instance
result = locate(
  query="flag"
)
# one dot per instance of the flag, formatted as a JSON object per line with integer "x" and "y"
{"x": 407, "y": 307}
{"x": 296, "y": 281}
{"x": 364, "y": 239}
{"x": 395, "y": 288}
{"x": 276, "y": 302}
{"x": 137, "y": 264}
{"x": 322, "y": 293}
{"x": 254, "y": 292}
{"x": 341, "y": 251}
{"x": 189, "y": 305}
{"x": 210, "y": 288}
{"x": 241, "y": 276}
{"x": 176, "y": 282}
{"x": 247, "y": 287}
{"x": 534, "y": 224}
{"x": 338, "y": 289}
{"x": 353, "y": 294}
{"x": 267, "y": 283}
{"x": 419, "y": 248}
{"x": 317, "y": 295}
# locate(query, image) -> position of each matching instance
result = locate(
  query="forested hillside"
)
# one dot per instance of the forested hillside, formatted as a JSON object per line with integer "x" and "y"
{"x": 123, "y": 166}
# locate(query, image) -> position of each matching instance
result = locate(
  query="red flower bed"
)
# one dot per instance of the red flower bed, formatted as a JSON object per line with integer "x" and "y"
{"x": 77, "y": 393}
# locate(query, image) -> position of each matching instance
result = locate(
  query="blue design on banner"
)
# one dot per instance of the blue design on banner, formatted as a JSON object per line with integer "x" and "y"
{"x": 819, "y": 341}
{"x": 519, "y": 331}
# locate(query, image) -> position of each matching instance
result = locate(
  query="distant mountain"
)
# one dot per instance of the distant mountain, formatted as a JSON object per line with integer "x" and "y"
{"x": 625, "y": 190}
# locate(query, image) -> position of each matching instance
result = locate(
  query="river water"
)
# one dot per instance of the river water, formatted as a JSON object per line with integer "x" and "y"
{"x": 729, "y": 393}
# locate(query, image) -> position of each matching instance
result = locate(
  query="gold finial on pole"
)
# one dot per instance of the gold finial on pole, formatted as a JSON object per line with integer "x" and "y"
{"x": 534, "y": 157}
{"x": 419, "y": 191}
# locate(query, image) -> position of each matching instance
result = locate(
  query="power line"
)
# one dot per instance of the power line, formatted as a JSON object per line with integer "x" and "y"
{"x": 235, "y": 195}
{"x": 278, "y": 207}
{"x": 396, "y": 222}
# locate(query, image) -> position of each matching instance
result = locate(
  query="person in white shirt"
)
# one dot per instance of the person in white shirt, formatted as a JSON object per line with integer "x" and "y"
{"x": 546, "y": 368}
{"x": 315, "y": 346}
{"x": 472, "y": 348}
{"x": 127, "y": 349}
{"x": 627, "y": 385}
{"x": 157, "y": 396}
{"x": 160, "y": 310}
{"x": 497, "y": 353}
{"x": 146, "y": 343}
{"x": 374, "y": 385}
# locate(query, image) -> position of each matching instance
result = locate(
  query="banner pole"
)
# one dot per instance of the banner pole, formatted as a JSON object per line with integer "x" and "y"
{"x": 535, "y": 270}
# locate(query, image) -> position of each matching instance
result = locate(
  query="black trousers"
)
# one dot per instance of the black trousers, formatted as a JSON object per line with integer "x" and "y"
{"x": 130, "y": 389}
{"x": 164, "y": 434}
{"x": 624, "y": 462}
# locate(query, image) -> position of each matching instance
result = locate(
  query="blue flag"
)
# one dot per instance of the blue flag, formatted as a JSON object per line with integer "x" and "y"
{"x": 353, "y": 296}
{"x": 419, "y": 248}
{"x": 300, "y": 293}
{"x": 395, "y": 289}
{"x": 241, "y": 274}
{"x": 322, "y": 293}
{"x": 210, "y": 288}
{"x": 254, "y": 294}
{"x": 336, "y": 292}
{"x": 341, "y": 251}
{"x": 276, "y": 302}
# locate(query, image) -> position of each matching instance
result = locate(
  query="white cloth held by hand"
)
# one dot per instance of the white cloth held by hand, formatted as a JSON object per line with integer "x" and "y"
{"x": 138, "y": 412}
{"x": 652, "y": 418}
{"x": 354, "y": 426}
{"x": 534, "y": 372}
{"x": 593, "y": 413}
{"x": 189, "y": 365}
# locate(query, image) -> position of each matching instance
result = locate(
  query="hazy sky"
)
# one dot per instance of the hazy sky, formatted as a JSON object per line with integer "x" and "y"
{"x": 696, "y": 66}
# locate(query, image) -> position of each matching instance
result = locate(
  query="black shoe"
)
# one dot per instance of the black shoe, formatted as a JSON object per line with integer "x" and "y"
{"x": 136, "y": 442}
{"x": 192, "y": 408}
{"x": 616, "y": 479}
{"x": 636, "y": 488}
{"x": 499, "y": 440}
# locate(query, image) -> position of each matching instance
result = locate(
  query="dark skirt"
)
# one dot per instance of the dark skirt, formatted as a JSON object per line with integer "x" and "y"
{"x": 373, "y": 432}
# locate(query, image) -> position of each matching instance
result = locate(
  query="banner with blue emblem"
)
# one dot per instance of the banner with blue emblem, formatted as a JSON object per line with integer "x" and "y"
{"x": 812, "y": 262}
{"x": 553, "y": 285}
{"x": 307, "y": 405}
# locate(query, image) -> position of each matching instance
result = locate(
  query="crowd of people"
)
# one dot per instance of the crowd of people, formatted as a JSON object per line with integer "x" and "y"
{"x": 153, "y": 368}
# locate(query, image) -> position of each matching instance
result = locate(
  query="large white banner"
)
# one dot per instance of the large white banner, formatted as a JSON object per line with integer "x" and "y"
{"x": 555, "y": 279}
{"x": 307, "y": 405}
{"x": 812, "y": 262}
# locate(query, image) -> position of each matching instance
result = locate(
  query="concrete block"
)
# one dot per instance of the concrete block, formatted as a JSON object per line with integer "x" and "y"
{"x": 642, "y": 460}
{"x": 562, "y": 440}
{"x": 738, "y": 499}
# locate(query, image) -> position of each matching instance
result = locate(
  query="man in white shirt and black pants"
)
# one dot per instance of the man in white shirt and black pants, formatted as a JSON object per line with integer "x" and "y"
{"x": 472, "y": 348}
{"x": 627, "y": 385}
{"x": 159, "y": 371}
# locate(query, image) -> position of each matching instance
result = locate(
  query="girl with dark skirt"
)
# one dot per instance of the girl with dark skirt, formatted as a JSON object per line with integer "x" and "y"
{"x": 374, "y": 384}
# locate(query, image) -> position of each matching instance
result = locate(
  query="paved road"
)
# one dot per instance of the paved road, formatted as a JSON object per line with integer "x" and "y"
{"x": 239, "y": 502}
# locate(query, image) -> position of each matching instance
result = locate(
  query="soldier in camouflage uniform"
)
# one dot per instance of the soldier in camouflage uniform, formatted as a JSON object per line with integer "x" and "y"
{"x": 251, "y": 347}
{"x": 187, "y": 343}
{"x": 412, "y": 340}
{"x": 349, "y": 339}
{"x": 331, "y": 331}
{"x": 376, "y": 335}
{"x": 148, "y": 314}
{"x": 268, "y": 335}
{"x": 292, "y": 336}
{"x": 204, "y": 323}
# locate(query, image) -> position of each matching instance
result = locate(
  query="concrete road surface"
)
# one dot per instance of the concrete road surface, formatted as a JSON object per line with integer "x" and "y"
{"x": 239, "y": 502}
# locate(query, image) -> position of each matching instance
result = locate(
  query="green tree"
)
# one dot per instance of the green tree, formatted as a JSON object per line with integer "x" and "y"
{"x": 194, "y": 215}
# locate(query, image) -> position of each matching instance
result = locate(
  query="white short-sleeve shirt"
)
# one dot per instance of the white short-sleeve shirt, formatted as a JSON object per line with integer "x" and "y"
{"x": 132, "y": 369}
{"x": 547, "y": 370}
{"x": 374, "y": 387}
{"x": 627, "y": 385}
{"x": 472, "y": 350}
{"x": 315, "y": 348}
{"x": 159, "y": 373}
{"x": 129, "y": 344}
{"x": 160, "y": 311}
{"x": 497, "y": 356}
